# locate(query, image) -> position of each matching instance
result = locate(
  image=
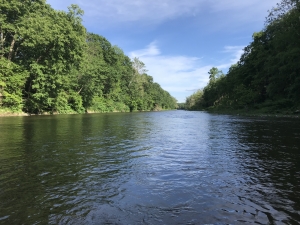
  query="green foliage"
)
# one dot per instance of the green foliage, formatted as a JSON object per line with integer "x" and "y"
{"x": 213, "y": 92}
{"x": 244, "y": 96}
{"x": 12, "y": 81}
{"x": 121, "y": 107}
{"x": 181, "y": 106}
{"x": 63, "y": 69}
{"x": 195, "y": 101}
{"x": 67, "y": 103}
{"x": 267, "y": 75}
{"x": 100, "y": 104}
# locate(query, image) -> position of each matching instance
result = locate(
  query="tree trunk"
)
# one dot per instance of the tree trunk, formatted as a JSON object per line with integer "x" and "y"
{"x": 2, "y": 39}
{"x": 80, "y": 89}
{"x": 11, "y": 49}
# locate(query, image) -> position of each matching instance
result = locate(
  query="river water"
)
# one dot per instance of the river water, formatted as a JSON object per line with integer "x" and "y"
{"x": 172, "y": 167}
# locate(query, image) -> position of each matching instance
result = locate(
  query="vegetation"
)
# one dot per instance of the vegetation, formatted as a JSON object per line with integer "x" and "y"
{"x": 267, "y": 76}
{"x": 50, "y": 63}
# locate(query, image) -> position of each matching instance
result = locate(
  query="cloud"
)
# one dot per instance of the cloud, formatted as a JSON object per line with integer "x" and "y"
{"x": 139, "y": 10}
{"x": 246, "y": 7}
{"x": 179, "y": 74}
{"x": 146, "y": 12}
{"x": 123, "y": 11}
{"x": 235, "y": 51}
{"x": 234, "y": 54}
{"x": 150, "y": 50}
{"x": 167, "y": 69}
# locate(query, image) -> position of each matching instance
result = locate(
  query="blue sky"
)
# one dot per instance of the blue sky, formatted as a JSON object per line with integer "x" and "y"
{"x": 179, "y": 41}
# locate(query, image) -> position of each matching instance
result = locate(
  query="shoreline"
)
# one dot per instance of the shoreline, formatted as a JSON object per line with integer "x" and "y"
{"x": 256, "y": 113}
{"x": 11, "y": 114}
{"x": 288, "y": 114}
{"x": 18, "y": 114}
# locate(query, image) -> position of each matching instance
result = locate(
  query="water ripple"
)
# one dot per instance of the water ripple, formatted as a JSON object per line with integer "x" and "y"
{"x": 172, "y": 167}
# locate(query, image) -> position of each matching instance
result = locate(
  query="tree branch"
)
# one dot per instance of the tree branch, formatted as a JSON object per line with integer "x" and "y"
{"x": 11, "y": 49}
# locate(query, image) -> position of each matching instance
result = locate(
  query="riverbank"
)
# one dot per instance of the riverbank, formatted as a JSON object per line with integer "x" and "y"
{"x": 256, "y": 112}
{"x": 6, "y": 113}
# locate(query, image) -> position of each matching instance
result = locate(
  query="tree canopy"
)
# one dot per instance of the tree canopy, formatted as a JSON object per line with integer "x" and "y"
{"x": 267, "y": 76}
{"x": 50, "y": 63}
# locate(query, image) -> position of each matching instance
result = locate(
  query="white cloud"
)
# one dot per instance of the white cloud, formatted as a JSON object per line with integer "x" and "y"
{"x": 121, "y": 11}
{"x": 138, "y": 10}
{"x": 150, "y": 50}
{"x": 234, "y": 53}
{"x": 179, "y": 74}
{"x": 245, "y": 7}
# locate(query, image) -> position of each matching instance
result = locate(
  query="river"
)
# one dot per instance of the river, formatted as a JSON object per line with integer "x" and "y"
{"x": 171, "y": 167}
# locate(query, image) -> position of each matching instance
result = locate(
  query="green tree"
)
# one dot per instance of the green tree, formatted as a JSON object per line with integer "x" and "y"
{"x": 12, "y": 80}
{"x": 195, "y": 101}
{"x": 46, "y": 43}
{"x": 49, "y": 63}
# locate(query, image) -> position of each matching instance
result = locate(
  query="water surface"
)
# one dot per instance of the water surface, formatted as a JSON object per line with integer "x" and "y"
{"x": 174, "y": 167}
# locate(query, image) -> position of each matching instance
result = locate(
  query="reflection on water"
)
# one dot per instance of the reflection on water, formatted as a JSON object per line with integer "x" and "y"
{"x": 173, "y": 167}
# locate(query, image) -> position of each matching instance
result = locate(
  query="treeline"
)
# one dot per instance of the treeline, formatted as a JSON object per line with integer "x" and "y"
{"x": 267, "y": 76}
{"x": 50, "y": 63}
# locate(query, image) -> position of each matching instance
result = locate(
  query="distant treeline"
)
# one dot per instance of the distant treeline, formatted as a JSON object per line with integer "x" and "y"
{"x": 267, "y": 76}
{"x": 50, "y": 63}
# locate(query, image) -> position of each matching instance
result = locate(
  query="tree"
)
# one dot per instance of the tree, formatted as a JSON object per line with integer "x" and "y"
{"x": 12, "y": 80}
{"x": 195, "y": 101}
{"x": 138, "y": 66}
{"x": 214, "y": 74}
{"x": 48, "y": 55}
{"x": 62, "y": 68}
{"x": 267, "y": 75}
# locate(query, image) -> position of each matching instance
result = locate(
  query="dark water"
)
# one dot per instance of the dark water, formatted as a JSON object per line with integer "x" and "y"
{"x": 173, "y": 167}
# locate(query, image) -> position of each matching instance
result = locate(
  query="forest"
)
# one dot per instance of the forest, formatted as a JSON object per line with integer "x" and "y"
{"x": 266, "y": 79}
{"x": 50, "y": 63}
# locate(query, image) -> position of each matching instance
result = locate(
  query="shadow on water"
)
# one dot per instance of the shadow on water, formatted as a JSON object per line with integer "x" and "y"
{"x": 265, "y": 161}
{"x": 174, "y": 167}
{"x": 53, "y": 166}
{"x": 272, "y": 161}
